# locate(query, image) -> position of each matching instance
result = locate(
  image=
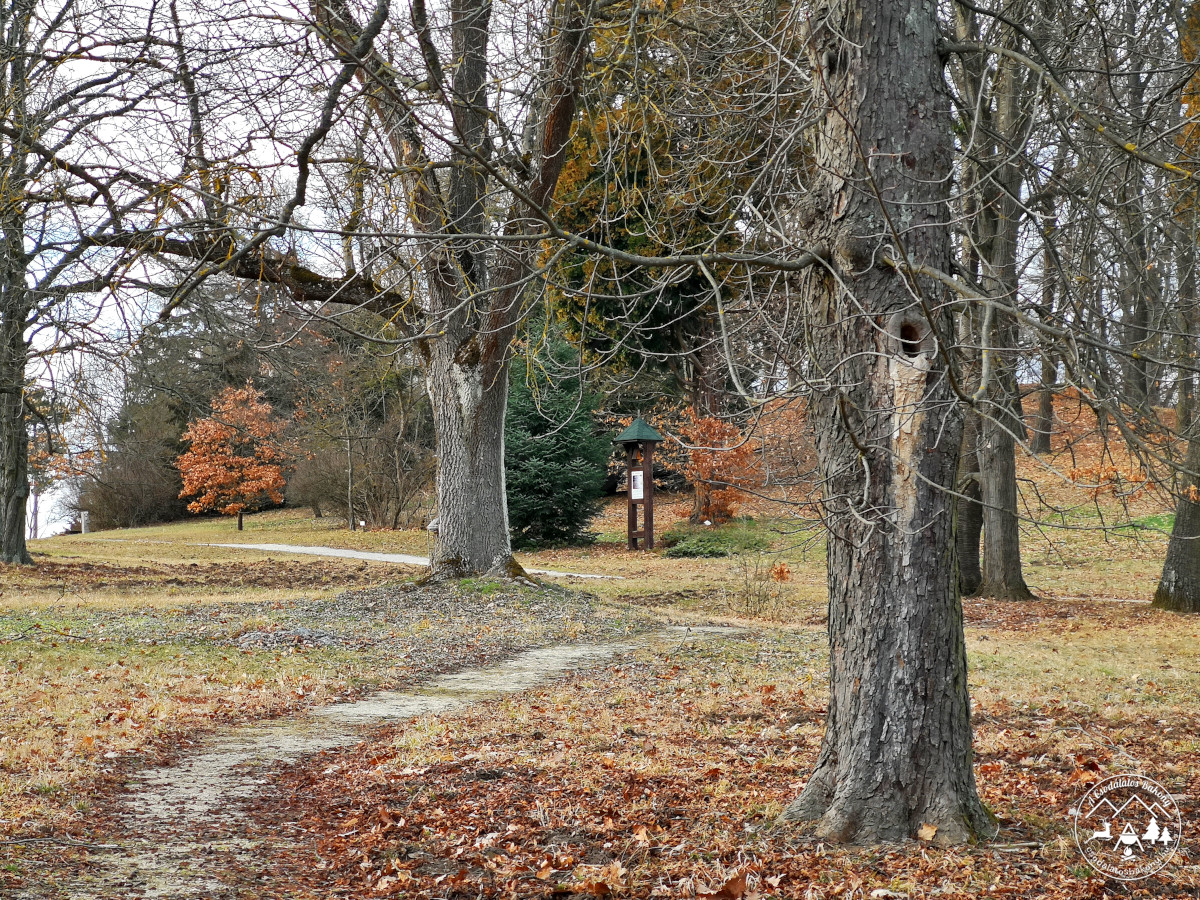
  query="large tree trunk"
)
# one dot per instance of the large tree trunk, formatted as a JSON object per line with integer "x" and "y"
{"x": 15, "y": 298}
{"x": 1179, "y": 587}
{"x": 14, "y": 436}
{"x": 468, "y": 415}
{"x": 896, "y": 757}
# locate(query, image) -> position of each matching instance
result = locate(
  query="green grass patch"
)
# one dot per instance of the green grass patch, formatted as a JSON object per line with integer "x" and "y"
{"x": 1163, "y": 522}
{"x": 712, "y": 541}
{"x": 480, "y": 586}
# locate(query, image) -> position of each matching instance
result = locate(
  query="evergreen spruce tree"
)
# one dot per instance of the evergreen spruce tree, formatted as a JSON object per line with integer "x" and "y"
{"x": 554, "y": 461}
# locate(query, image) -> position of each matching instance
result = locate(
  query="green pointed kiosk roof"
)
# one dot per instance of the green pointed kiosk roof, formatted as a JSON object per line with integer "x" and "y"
{"x": 638, "y": 431}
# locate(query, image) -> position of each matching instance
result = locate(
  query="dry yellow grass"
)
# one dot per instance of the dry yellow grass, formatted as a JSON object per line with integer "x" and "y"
{"x": 75, "y": 708}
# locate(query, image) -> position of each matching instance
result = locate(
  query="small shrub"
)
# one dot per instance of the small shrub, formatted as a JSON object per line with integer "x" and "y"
{"x": 720, "y": 458}
{"x": 761, "y": 594}
{"x": 554, "y": 461}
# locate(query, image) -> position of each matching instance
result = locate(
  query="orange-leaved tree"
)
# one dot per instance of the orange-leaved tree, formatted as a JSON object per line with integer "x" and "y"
{"x": 720, "y": 458}
{"x": 236, "y": 459}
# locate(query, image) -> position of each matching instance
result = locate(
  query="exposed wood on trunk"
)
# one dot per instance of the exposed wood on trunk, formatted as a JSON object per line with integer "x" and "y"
{"x": 896, "y": 755}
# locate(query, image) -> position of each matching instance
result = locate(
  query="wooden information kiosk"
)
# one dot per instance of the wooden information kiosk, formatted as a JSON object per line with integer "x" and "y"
{"x": 639, "y": 440}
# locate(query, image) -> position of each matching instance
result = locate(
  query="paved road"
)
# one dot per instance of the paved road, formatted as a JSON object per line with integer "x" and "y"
{"x": 402, "y": 558}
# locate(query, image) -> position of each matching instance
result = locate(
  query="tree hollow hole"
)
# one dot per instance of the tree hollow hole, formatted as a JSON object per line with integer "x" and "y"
{"x": 911, "y": 336}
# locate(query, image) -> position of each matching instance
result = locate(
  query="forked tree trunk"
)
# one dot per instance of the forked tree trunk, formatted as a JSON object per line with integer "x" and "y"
{"x": 475, "y": 289}
{"x": 14, "y": 435}
{"x": 896, "y": 756}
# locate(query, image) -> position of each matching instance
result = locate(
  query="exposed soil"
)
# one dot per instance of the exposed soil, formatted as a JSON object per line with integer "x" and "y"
{"x": 71, "y": 576}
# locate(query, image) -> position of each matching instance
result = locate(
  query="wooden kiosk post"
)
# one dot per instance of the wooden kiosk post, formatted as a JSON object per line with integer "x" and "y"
{"x": 639, "y": 440}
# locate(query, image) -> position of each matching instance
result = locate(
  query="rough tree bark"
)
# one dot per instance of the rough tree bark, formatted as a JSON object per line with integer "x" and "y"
{"x": 1179, "y": 587}
{"x": 469, "y": 402}
{"x": 896, "y": 757}
{"x": 968, "y": 511}
{"x": 14, "y": 435}
{"x": 15, "y": 300}
{"x": 475, "y": 288}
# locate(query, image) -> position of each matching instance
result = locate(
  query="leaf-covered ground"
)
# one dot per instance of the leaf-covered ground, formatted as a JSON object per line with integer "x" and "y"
{"x": 656, "y": 776}
{"x": 89, "y": 694}
{"x": 661, "y": 776}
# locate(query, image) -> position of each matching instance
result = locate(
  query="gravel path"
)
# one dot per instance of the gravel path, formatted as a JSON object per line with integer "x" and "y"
{"x": 401, "y": 558}
{"x": 187, "y": 831}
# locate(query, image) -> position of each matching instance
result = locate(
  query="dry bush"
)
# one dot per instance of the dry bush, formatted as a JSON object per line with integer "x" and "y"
{"x": 721, "y": 461}
{"x": 789, "y": 456}
{"x": 762, "y": 592}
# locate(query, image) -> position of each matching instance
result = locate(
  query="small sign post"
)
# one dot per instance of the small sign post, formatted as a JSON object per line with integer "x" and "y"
{"x": 639, "y": 440}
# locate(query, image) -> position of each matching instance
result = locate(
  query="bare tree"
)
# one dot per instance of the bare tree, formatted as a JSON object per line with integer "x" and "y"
{"x": 470, "y": 171}
{"x": 442, "y": 139}
{"x": 73, "y": 75}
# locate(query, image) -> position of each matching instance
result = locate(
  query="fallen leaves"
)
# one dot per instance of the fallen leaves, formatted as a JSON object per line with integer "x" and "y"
{"x": 583, "y": 812}
{"x": 733, "y": 889}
